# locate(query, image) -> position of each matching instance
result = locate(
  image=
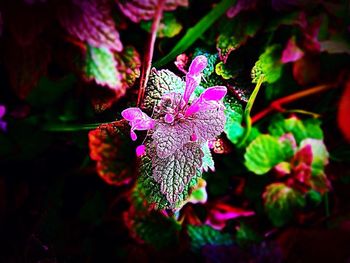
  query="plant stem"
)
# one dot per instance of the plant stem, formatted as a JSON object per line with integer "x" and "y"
{"x": 147, "y": 62}
{"x": 246, "y": 116}
{"x": 277, "y": 104}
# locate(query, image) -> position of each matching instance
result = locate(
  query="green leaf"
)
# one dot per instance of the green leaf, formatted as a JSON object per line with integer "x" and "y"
{"x": 150, "y": 189}
{"x": 195, "y": 32}
{"x": 234, "y": 115}
{"x": 205, "y": 235}
{"x": 207, "y": 160}
{"x": 280, "y": 202}
{"x": 246, "y": 235}
{"x": 269, "y": 65}
{"x": 101, "y": 66}
{"x": 310, "y": 128}
{"x": 263, "y": 154}
{"x": 319, "y": 155}
{"x": 168, "y": 27}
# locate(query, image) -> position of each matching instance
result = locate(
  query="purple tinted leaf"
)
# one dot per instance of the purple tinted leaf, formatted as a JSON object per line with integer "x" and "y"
{"x": 169, "y": 138}
{"x": 241, "y": 5}
{"x": 208, "y": 124}
{"x": 137, "y": 10}
{"x": 90, "y": 21}
{"x": 174, "y": 172}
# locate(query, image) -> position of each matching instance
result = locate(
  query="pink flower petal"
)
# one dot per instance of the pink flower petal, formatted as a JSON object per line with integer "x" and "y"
{"x": 208, "y": 100}
{"x": 291, "y": 52}
{"x": 193, "y": 77}
{"x": 132, "y": 113}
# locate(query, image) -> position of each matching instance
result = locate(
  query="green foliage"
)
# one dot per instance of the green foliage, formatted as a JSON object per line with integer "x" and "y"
{"x": 195, "y": 32}
{"x": 268, "y": 65}
{"x": 300, "y": 129}
{"x": 168, "y": 27}
{"x": 205, "y": 235}
{"x": 263, "y": 153}
{"x": 234, "y": 115}
{"x": 280, "y": 203}
{"x": 101, "y": 66}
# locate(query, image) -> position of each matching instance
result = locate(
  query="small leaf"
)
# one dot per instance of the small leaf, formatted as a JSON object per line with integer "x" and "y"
{"x": 234, "y": 115}
{"x": 175, "y": 172}
{"x": 268, "y": 65}
{"x": 101, "y": 66}
{"x": 280, "y": 202}
{"x": 207, "y": 160}
{"x": 263, "y": 153}
{"x": 205, "y": 235}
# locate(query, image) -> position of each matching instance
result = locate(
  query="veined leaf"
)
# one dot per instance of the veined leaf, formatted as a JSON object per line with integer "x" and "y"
{"x": 263, "y": 153}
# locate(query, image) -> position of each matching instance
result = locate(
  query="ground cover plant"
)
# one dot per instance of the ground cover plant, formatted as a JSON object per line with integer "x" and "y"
{"x": 168, "y": 130}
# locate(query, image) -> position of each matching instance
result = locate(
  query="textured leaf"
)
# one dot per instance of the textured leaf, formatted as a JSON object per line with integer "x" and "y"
{"x": 137, "y": 10}
{"x": 268, "y": 65}
{"x": 26, "y": 65}
{"x": 207, "y": 160}
{"x": 205, "y": 235}
{"x": 175, "y": 172}
{"x": 263, "y": 153}
{"x": 280, "y": 202}
{"x": 159, "y": 83}
{"x": 208, "y": 124}
{"x": 101, "y": 66}
{"x": 128, "y": 65}
{"x": 234, "y": 116}
{"x": 168, "y": 27}
{"x": 235, "y": 33}
{"x": 109, "y": 147}
{"x": 90, "y": 22}
{"x": 300, "y": 129}
{"x": 151, "y": 189}
{"x": 169, "y": 138}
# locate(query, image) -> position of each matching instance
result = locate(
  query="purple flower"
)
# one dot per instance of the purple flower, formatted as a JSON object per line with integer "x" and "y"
{"x": 178, "y": 121}
{"x": 3, "y": 124}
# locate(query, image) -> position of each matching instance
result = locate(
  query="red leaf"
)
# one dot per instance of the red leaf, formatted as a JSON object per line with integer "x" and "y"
{"x": 90, "y": 21}
{"x": 109, "y": 148}
{"x": 344, "y": 112}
